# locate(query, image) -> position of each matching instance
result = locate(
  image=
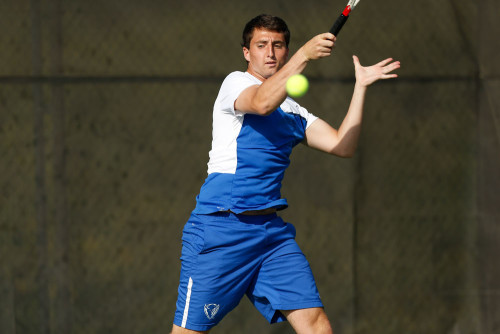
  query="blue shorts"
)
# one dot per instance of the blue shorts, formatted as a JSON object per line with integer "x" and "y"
{"x": 225, "y": 256}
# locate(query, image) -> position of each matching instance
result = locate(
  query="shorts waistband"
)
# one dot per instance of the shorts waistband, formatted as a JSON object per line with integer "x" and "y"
{"x": 244, "y": 218}
{"x": 262, "y": 212}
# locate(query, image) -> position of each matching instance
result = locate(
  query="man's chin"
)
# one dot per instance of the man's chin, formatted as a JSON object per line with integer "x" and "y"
{"x": 264, "y": 74}
{"x": 268, "y": 74}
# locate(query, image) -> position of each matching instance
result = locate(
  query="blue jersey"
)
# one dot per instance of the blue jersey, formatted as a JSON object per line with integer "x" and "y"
{"x": 250, "y": 153}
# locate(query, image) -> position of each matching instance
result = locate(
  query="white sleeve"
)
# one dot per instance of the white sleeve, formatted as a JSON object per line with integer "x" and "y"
{"x": 309, "y": 117}
{"x": 289, "y": 105}
{"x": 231, "y": 88}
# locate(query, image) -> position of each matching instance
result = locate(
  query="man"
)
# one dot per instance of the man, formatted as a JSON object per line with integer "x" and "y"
{"x": 234, "y": 242}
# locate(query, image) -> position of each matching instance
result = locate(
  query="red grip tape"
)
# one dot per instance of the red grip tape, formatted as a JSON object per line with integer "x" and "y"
{"x": 346, "y": 11}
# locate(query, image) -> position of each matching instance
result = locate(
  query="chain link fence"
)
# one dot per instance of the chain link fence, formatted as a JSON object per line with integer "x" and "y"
{"x": 105, "y": 128}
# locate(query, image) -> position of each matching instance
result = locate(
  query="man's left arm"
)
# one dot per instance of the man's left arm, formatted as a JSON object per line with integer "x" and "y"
{"x": 344, "y": 141}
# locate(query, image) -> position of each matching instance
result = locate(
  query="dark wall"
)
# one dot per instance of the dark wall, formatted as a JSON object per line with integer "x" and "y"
{"x": 105, "y": 127}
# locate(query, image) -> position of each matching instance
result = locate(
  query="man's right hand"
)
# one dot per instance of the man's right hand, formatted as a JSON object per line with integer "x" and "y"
{"x": 319, "y": 46}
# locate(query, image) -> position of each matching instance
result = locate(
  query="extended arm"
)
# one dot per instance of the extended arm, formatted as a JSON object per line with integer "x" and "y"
{"x": 343, "y": 142}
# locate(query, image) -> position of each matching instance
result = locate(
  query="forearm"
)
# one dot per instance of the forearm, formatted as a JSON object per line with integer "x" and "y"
{"x": 350, "y": 129}
{"x": 272, "y": 92}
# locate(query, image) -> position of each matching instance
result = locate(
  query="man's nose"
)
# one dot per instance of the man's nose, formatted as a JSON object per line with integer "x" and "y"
{"x": 270, "y": 51}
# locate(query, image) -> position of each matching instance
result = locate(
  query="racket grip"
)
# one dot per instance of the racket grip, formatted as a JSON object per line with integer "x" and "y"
{"x": 335, "y": 29}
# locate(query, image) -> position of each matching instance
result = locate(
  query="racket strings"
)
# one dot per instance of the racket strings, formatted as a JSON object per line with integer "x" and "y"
{"x": 352, "y": 4}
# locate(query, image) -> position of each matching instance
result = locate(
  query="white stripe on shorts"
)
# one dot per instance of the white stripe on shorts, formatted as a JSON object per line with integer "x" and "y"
{"x": 186, "y": 307}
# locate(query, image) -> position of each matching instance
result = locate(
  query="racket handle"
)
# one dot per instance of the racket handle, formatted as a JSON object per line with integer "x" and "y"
{"x": 335, "y": 29}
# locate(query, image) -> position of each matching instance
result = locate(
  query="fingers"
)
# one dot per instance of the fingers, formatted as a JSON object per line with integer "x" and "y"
{"x": 320, "y": 46}
{"x": 355, "y": 59}
{"x": 386, "y": 70}
{"x": 369, "y": 74}
{"x": 330, "y": 36}
{"x": 391, "y": 67}
{"x": 389, "y": 76}
{"x": 326, "y": 40}
{"x": 384, "y": 62}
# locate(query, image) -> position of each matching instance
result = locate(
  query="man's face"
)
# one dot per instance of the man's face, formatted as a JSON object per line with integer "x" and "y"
{"x": 267, "y": 54}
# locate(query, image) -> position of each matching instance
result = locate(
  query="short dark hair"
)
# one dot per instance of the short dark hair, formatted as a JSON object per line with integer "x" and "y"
{"x": 268, "y": 22}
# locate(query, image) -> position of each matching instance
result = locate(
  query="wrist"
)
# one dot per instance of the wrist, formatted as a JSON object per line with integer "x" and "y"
{"x": 359, "y": 86}
{"x": 304, "y": 56}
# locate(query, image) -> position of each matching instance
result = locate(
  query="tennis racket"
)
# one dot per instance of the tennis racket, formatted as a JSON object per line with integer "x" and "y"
{"x": 343, "y": 17}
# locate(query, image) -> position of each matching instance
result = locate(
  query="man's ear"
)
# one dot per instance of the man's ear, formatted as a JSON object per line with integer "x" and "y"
{"x": 246, "y": 54}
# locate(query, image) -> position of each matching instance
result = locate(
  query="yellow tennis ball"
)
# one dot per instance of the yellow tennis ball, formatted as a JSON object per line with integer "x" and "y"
{"x": 297, "y": 85}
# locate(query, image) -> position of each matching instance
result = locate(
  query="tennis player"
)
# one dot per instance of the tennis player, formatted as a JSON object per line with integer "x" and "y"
{"x": 235, "y": 243}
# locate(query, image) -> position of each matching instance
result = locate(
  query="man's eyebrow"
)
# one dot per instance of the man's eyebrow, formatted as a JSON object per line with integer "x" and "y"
{"x": 265, "y": 41}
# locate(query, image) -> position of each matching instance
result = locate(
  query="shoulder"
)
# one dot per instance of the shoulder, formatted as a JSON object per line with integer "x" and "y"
{"x": 234, "y": 84}
{"x": 240, "y": 77}
{"x": 231, "y": 88}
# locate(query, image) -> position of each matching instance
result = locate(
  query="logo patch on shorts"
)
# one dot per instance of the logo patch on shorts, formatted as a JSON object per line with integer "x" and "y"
{"x": 211, "y": 310}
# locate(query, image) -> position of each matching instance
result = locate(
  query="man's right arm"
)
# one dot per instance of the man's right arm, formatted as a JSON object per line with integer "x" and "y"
{"x": 265, "y": 98}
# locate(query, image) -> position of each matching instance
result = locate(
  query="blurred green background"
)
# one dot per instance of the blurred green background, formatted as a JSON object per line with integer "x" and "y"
{"x": 105, "y": 128}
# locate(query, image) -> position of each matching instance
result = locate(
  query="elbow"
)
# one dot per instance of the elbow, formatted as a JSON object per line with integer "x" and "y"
{"x": 262, "y": 106}
{"x": 344, "y": 155}
{"x": 347, "y": 155}
{"x": 267, "y": 112}
{"x": 263, "y": 109}
{"x": 343, "y": 152}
